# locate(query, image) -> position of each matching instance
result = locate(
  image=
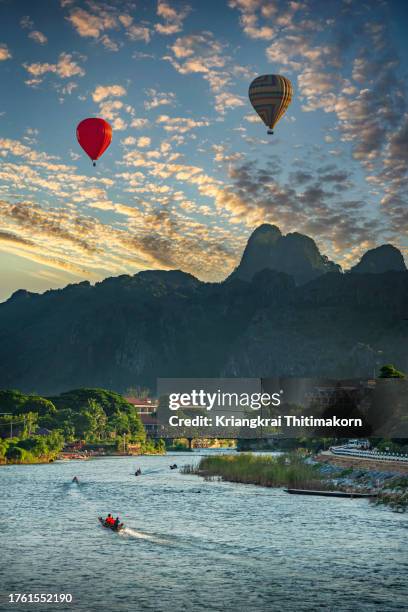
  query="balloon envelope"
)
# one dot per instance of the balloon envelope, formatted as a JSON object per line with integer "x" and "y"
{"x": 270, "y": 95}
{"x": 94, "y": 135}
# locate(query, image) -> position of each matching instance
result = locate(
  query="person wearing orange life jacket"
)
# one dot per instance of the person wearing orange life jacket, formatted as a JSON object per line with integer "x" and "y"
{"x": 109, "y": 520}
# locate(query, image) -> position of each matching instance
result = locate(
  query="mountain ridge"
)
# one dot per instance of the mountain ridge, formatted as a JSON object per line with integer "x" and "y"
{"x": 129, "y": 330}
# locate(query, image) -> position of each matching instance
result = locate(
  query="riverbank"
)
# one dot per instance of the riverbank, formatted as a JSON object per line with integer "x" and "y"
{"x": 31, "y": 460}
{"x": 363, "y": 463}
{"x": 295, "y": 471}
{"x": 264, "y": 470}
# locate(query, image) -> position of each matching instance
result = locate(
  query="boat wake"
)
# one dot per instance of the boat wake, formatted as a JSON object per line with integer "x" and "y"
{"x": 143, "y": 536}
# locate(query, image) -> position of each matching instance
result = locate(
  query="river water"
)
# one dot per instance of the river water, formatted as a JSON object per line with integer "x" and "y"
{"x": 190, "y": 544}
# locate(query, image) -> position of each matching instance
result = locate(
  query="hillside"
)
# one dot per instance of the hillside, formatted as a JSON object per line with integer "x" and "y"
{"x": 129, "y": 330}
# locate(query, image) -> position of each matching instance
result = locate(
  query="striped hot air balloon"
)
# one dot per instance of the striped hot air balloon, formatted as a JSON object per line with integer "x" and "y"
{"x": 270, "y": 95}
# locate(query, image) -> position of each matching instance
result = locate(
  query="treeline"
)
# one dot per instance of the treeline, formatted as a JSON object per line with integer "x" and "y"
{"x": 31, "y": 448}
{"x": 36, "y": 428}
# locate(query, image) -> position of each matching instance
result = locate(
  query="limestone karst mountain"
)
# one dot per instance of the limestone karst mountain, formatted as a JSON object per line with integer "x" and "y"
{"x": 295, "y": 254}
{"x": 384, "y": 258}
{"x": 285, "y": 310}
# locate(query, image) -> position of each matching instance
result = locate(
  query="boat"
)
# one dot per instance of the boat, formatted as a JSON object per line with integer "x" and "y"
{"x": 111, "y": 527}
{"x": 329, "y": 493}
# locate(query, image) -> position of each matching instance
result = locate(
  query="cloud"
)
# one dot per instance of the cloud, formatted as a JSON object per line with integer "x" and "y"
{"x": 180, "y": 124}
{"x": 96, "y": 22}
{"x": 107, "y": 91}
{"x": 139, "y": 123}
{"x": 109, "y": 110}
{"x": 137, "y": 32}
{"x": 91, "y": 25}
{"x": 345, "y": 67}
{"x": 251, "y": 28}
{"x": 109, "y": 44}
{"x": 38, "y": 37}
{"x": 157, "y": 98}
{"x": 279, "y": 16}
{"x": 173, "y": 20}
{"x": 226, "y": 100}
{"x": 10, "y": 237}
{"x": 112, "y": 109}
{"x": 197, "y": 53}
{"x": 4, "y": 52}
{"x": 203, "y": 54}
{"x": 28, "y": 24}
{"x": 143, "y": 141}
{"x": 65, "y": 68}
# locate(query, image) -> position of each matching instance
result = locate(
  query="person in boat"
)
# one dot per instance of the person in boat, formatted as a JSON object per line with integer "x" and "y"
{"x": 109, "y": 520}
{"x": 116, "y": 523}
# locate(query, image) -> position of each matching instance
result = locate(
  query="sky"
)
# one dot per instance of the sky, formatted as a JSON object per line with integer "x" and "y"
{"x": 191, "y": 171}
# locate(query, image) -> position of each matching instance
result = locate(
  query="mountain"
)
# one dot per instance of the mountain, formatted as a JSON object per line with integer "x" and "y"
{"x": 294, "y": 254}
{"x": 130, "y": 330}
{"x": 382, "y": 259}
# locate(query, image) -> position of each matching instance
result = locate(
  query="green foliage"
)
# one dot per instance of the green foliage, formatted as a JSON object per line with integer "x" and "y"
{"x": 4, "y": 444}
{"x": 161, "y": 446}
{"x": 97, "y": 414}
{"x": 16, "y": 402}
{"x": 154, "y": 447}
{"x": 139, "y": 392}
{"x": 180, "y": 445}
{"x": 32, "y": 448}
{"x": 93, "y": 415}
{"x": 14, "y": 453}
{"x": 12, "y": 401}
{"x": 387, "y": 446}
{"x": 40, "y": 405}
{"x": 285, "y": 470}
{"x": 389, "y": 371}
{"x": 109, "y": 401}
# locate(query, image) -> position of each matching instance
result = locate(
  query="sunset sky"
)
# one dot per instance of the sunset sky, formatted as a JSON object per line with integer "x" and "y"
{"x": 191, "y": 171}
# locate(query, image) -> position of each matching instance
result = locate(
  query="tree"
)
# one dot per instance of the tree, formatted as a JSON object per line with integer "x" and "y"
{"x": 99, "y": 419}
{"x": 40, "y": 405}
{"x": 90, "y": 422}
{"x": 109, "y": 401}
{"x": 119, "y": 424}
{"x": 14, "y": 453}
{"x": 83, "y": 423}
{"x": 136, "y": 427}
{"x": 30, "y": 423}
{"x": 139, "y": 392}
{"x": 161, "y": 446}
{"x": 389, "y": 371}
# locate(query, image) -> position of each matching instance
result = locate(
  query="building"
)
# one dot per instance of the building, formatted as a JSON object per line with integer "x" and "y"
{"x": 152, "y": 427}
{"x": 143, "y": 405}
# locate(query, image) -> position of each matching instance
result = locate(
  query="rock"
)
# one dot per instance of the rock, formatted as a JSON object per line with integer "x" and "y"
{"x": 382, "y": 259}
{"x": 293, "y": 254}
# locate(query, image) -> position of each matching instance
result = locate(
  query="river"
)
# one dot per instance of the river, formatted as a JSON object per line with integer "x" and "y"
{"x": 192, "y": 545}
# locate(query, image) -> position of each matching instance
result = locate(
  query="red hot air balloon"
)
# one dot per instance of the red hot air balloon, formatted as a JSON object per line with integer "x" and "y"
{"x": 94, "y": 135}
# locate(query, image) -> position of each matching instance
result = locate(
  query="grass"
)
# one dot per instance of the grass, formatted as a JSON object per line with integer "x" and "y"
{"x": 286, "y": 470}
{"x": 397, "y": 501}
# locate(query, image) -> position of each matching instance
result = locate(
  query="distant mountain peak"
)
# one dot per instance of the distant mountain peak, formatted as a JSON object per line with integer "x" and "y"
{"x": 267, "y": 232}
{"x": 294, "y": 254}
{"x": 385, "y": 258}
{"x": 21, "y": 294}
